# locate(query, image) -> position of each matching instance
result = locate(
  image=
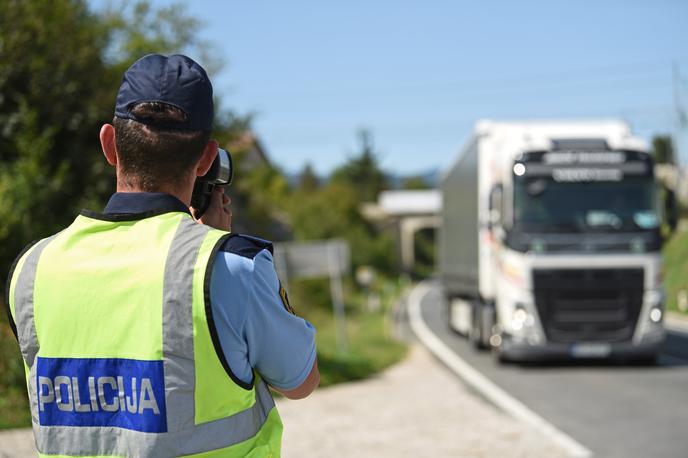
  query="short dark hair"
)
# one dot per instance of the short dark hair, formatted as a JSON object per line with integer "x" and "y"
{"x": 153, "y": 154}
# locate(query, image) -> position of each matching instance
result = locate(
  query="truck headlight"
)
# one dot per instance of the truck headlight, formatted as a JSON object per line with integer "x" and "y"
{"x": 655, "y": 300}
{"x": 519, "y": 319}
{"x": 522, "y": 326}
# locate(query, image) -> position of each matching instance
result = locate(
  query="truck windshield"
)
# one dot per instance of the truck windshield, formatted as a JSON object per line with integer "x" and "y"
{"x": 544, "y": 205}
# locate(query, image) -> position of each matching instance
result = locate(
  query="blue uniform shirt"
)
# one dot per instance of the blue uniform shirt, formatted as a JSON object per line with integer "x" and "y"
{"x": 255, "y": 329}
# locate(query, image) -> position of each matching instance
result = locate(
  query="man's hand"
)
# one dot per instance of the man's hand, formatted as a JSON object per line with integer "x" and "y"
{"x": 218, "y": 214}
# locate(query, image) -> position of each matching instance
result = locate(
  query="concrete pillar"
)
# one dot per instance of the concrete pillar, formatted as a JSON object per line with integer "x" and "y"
{"x": 408, "y": 226}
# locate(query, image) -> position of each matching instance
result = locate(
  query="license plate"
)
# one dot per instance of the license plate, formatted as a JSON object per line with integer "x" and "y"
{"x": 591, "y": 350}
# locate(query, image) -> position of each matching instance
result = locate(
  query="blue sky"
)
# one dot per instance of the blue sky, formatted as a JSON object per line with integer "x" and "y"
{"x": 419, "y": 73}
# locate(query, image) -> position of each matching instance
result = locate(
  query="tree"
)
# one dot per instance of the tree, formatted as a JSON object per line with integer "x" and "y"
{"x": 663, "y": 149}
{"x": 56, "y": 90}
{"x": 308, "y": 180}
{"x": 137, "y": 28}
{"x": 334, "y": 212}
{"x": 363, "y": 171}
{"x": 414, "y": 183}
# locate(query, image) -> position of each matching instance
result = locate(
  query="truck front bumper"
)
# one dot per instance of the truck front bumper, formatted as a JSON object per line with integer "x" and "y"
{"x": 511, "y": 350}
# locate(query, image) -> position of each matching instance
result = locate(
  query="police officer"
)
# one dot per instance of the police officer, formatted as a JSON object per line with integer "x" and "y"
{"x": 144, "y": 331}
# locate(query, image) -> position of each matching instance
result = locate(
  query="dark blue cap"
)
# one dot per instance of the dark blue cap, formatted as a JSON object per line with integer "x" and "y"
{"x": 175, "y": 80}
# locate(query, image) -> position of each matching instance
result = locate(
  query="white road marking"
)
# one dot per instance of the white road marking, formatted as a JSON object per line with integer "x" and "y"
{"x": 482, "y": 384}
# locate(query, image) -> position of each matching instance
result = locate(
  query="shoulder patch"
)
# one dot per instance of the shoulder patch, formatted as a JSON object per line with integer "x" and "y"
{"x": 285, "y": 299}
{"x": 245, "y": 245}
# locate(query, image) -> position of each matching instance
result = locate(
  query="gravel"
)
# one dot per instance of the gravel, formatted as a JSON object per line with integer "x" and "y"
{"x": 17, "y": 443}
{"x": 415, "y": 409}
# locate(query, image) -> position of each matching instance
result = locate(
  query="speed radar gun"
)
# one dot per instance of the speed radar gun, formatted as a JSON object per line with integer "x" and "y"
{"x": 219, "y": 174}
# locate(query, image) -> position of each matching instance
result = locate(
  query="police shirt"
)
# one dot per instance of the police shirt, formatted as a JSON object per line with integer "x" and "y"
{"x": 251, "y": 316}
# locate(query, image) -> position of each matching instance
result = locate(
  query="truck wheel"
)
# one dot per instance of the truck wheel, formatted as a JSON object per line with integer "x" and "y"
{"x": 502, "y": 357}
{"x": 487, "y": 323}
{"x": 476, "y": 335}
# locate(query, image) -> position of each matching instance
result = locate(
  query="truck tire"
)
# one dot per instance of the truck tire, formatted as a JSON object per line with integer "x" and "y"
{"x": 501, "y": 357}
{"x": 488, "y": 320}
{"x": 477, "y": 335}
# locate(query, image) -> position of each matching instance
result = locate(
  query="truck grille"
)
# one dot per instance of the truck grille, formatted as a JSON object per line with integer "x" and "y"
{"x": 588, "y": 304}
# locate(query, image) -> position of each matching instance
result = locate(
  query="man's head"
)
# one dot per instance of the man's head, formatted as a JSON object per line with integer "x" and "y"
{"x": 160, "y": 137}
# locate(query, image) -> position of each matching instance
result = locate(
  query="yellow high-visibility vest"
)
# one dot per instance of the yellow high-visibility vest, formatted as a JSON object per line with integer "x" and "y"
{"x": 112, "y": 318}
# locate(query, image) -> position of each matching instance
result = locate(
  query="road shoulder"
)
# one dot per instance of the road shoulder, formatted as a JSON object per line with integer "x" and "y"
{"x": 416, "y": 408}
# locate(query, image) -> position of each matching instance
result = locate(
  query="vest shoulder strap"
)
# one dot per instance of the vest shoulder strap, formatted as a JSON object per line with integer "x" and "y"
{"x": 9, "y": 299}
{"x": 20, "y": 298}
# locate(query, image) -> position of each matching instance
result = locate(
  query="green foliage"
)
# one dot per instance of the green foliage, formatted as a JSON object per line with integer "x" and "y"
{"x": 371, "y": 348}
{"x": 14, "y": 409}
{"x": 56, "y": 89}
{"x": 363, "y": 172}
{"x": 333, "y": 210}
{"x": 137, "y": 28}
{"x": 663, "y": 149}
{"x": 260, "y": 193}
{"x": 675, "y": 267}
{"x": 308, "y": 180}
{"x": 415, "y": 182}
{"x": 53, "y": 100}
{"x": 425, "y": 249}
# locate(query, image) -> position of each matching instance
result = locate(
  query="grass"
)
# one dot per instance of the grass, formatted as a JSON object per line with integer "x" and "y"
{"x": 675, "y": 267}
{"x": 370, "y": 349}
{"x": 14, "y": 407}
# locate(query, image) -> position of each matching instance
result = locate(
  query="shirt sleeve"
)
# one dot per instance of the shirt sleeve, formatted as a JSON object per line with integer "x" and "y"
{"x": 281, "y": 345}
{"x": 254, "y": 328}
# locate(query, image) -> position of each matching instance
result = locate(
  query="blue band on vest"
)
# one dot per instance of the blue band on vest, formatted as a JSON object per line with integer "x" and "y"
{"x": 124, "y": 393}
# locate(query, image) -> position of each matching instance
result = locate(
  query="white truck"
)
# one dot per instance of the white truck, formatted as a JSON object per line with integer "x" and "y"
{"x": 550, "y": 241}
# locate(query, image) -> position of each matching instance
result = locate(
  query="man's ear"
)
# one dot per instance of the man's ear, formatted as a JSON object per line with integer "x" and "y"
{"x": 207, "y": 158}
{"x": 107, "y": 143}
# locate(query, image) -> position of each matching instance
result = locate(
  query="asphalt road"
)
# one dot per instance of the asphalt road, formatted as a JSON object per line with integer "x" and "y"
{"x": 614, "y": 410}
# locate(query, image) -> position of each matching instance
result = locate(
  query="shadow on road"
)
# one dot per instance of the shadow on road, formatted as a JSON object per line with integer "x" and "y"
{"x": 675, "y": 349}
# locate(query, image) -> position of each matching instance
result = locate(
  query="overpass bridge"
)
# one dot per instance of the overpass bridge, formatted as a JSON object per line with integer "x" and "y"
{"x": 409, "y": 211}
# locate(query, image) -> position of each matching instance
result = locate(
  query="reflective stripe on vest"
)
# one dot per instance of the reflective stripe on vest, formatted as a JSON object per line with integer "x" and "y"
{"x": 98, "y": 403}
